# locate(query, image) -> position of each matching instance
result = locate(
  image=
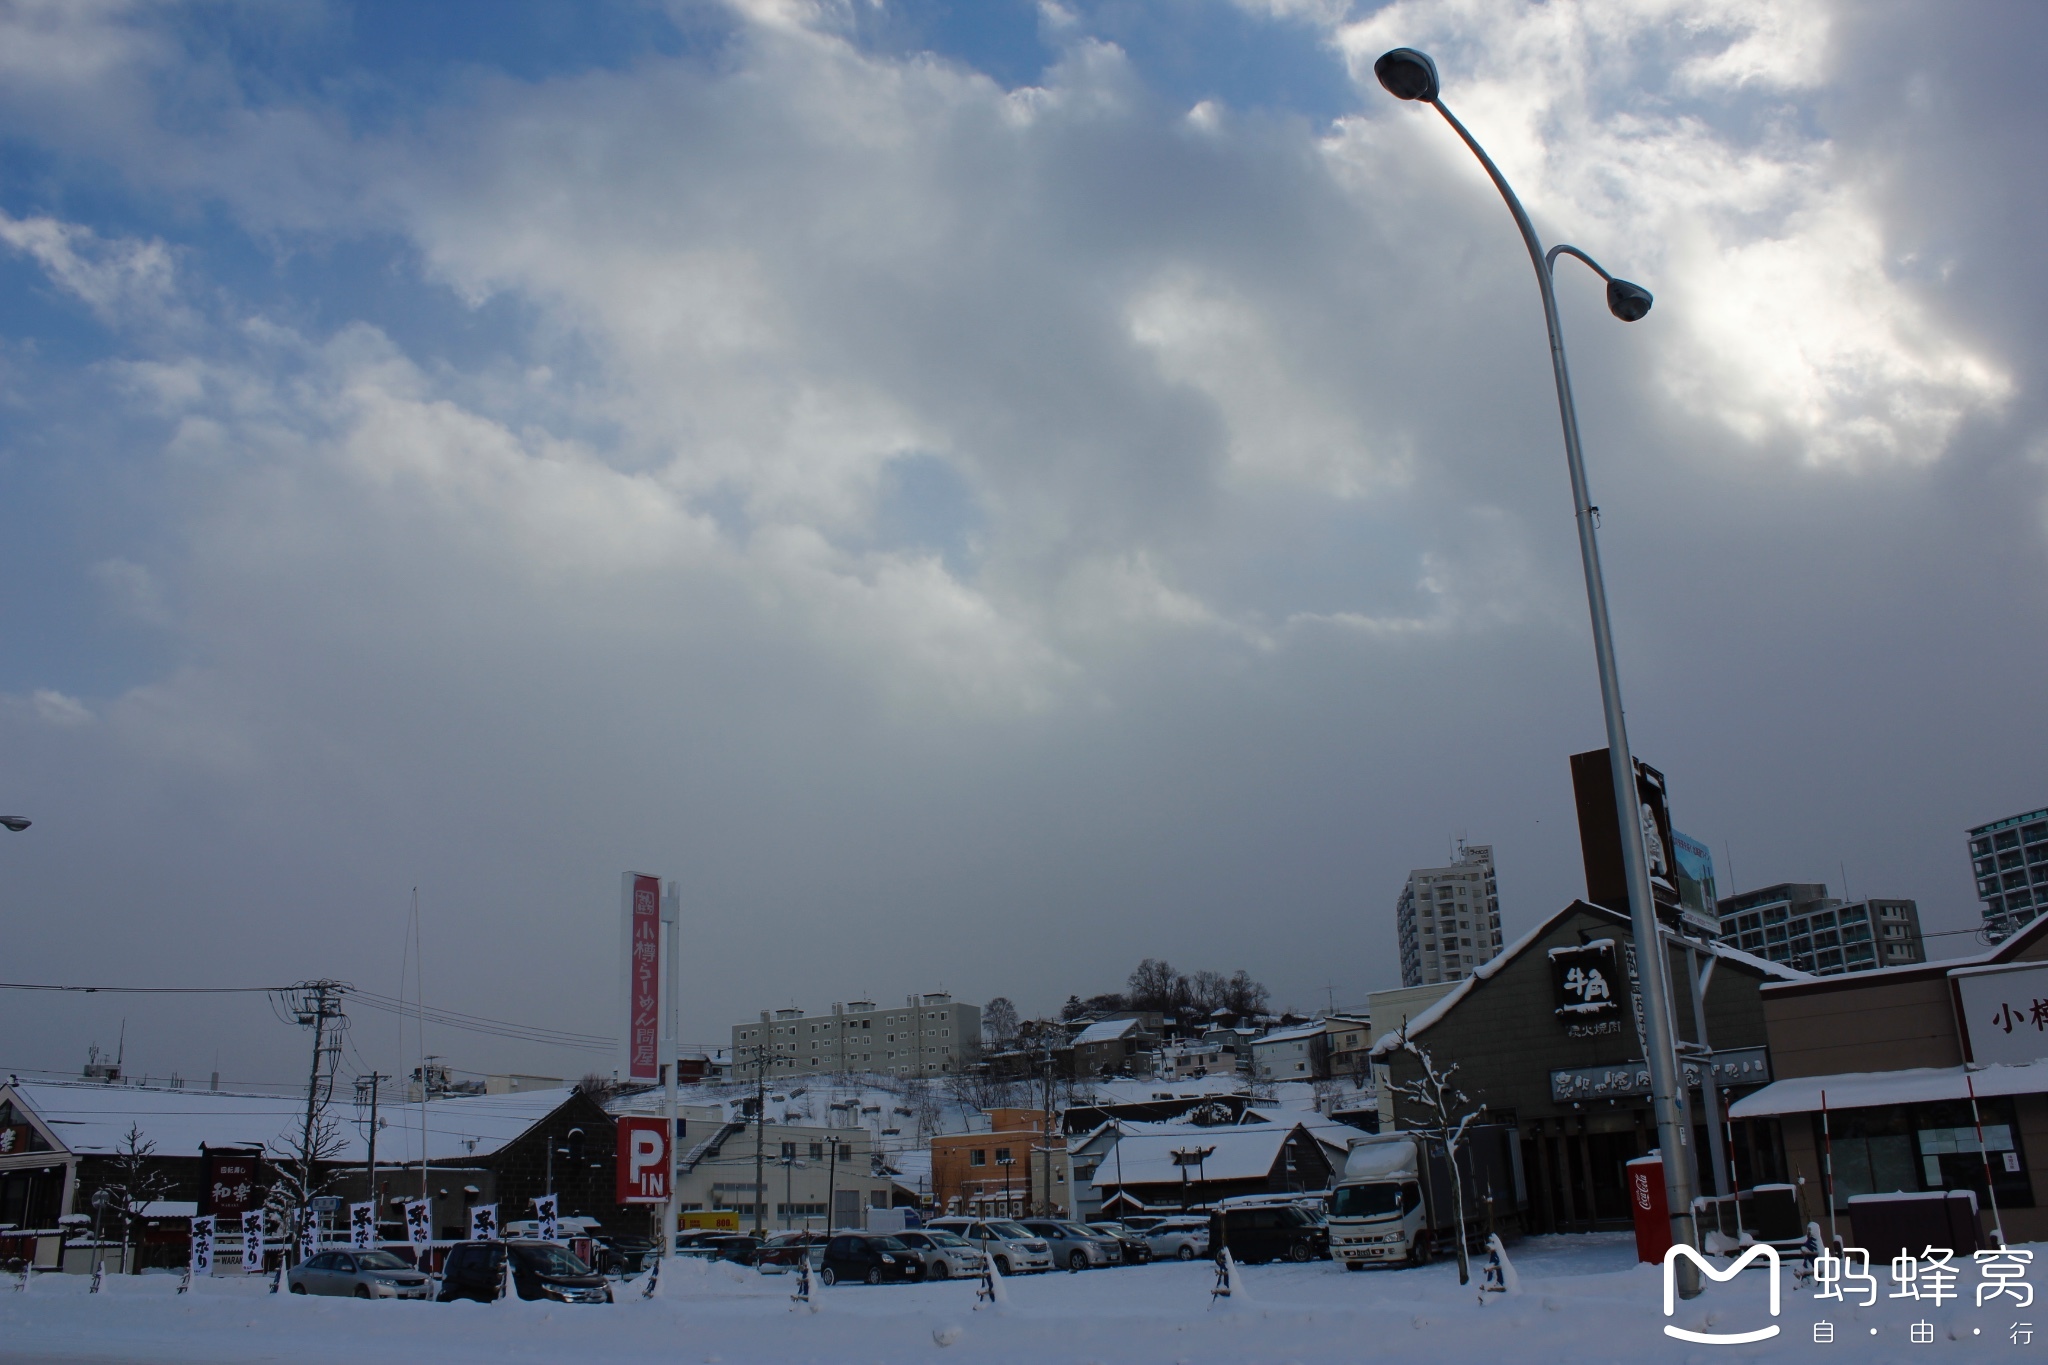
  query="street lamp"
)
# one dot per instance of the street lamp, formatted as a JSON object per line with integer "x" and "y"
{"x": 16, "y": 823}
{"x": 1411, "y": 75}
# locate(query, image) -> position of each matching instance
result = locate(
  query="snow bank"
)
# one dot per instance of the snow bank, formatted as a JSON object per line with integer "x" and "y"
{"x": 1582, "y": 1299}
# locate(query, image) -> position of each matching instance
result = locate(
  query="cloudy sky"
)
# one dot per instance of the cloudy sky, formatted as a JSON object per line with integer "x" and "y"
{"x": 978, "y": 493}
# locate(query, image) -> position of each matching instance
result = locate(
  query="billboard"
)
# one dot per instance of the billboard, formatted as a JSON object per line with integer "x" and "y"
{"x": 640, "y": 937}
{"x": 642, "y": 1161}
{"x": 230, "y": 1182}
{"x": 1600, "y": 837}
{"x": 1694, "y": 864}
{"x": 2005, "y": 1012}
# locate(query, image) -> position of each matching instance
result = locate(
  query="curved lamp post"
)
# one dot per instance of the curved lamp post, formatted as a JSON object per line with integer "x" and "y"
{"x": 1411, "y": 75}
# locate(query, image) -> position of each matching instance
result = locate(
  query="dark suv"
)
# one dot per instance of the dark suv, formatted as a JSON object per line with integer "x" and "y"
{"x": 1268, "y": 1232}
{"x": 540, "y": 1270}
{"x": 870, "y": 1258}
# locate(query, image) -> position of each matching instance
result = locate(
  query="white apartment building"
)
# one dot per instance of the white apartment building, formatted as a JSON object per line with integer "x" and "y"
{"x": 1448, "y": 918}
{"x": 932, "y": 1035}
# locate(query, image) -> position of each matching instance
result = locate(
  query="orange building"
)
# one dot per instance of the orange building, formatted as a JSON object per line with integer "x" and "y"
{"x": 1000, "y": 1173}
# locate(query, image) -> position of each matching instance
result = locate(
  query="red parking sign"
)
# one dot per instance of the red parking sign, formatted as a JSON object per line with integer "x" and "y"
{"x": 643, "y": 1161}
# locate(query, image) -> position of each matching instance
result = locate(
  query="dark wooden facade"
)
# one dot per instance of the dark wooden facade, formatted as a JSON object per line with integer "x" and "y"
{"x": 1506, "y": 1038}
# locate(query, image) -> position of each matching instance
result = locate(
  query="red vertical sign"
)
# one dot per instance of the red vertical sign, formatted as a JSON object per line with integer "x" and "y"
{"x": 643, "y": 979}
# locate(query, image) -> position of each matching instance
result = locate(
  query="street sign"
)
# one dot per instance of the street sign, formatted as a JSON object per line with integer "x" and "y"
{"x": 642, "y": 1161}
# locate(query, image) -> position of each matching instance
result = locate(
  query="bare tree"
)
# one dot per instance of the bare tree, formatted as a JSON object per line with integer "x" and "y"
{"x": 1243, "y": 996}
{"x": 138, "y": 1180}
{"x": 304, "y": 1159}
{"x": 975, "y": 1088}
{"x": 1208, "y": 990}
{"x": 1439, "y": 1100}
{"x": 598, "y": 1085}
{"x": 1155, "y": 985}
{"x": 999, "y": 1022}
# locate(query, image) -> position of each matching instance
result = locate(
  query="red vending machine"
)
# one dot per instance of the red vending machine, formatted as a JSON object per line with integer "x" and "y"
{"x": 1652, "y": 1211}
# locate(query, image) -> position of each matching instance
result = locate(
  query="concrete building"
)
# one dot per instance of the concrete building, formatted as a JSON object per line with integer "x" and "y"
{"x": 809, "y": 1173}
{"x": 1448, "y": 918}
{"x": 930, "y": 1036}
{"x": 1800, "y": 925}
{"x": 1293, "y": 1054}
{"x": 2010, "y": 860}
{"x": 1907, "y": 1062}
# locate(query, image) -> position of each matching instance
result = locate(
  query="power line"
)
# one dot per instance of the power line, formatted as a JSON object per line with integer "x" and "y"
{"x": 143, "y": 990}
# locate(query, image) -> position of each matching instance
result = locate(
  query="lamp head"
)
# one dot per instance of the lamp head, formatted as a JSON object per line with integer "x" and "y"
{"x": 1627, "y": 301}
{"x": 13, "y": 822}
{"x": 1408, "y": 75}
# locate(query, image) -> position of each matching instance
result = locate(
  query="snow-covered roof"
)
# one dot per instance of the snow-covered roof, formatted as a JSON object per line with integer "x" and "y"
{"x": 1245, "y": 1152}
{"x": 1390, "y": 1042}
{"x": 1105, "y": 1031}
{"x": 91, "y": 1118}
{"x": 1870, "y": 1089}
{"x": 1291, "y": 1035}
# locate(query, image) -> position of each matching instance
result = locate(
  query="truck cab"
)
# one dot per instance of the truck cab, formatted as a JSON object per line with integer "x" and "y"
{"x": 1378, "y": 1222}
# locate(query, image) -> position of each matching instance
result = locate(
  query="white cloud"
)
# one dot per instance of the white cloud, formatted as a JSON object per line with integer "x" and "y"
{"x": 1616, "y": 122}
{"x": 120, "y": 279}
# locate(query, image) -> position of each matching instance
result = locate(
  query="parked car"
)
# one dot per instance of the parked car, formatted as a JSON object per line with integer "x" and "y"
{"x": 622, "y": 1255}
{"x": 784, "y": 1251}
{"x": 943, "y": 1253}
{"x": 738, "y": 1247}
{"x": 1076, "y": 1245}
{"x": 1137, "y": 1251}
{"x": 1184, "y": 1239}
{"x": 1269, "y": 1232}
{"x": 359, "y": 1274}
{"x": 540, "y": 1270}
{"x": 1014, "y": 1250}
{"x": 870, "y": 1258}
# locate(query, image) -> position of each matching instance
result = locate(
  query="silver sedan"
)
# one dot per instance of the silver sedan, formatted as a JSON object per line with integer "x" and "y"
{"x": 358, "y": 1274}
{"x": 943, "y": 1253}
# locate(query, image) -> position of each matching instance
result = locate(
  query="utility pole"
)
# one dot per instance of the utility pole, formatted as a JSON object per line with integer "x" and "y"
{"x": 1045, "y": 1160}
{"x": 760, "y": 1124}
{"x": 370, "y": 1083}
{"x": 317, "y": 1002}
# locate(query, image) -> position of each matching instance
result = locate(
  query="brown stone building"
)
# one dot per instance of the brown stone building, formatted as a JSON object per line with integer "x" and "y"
{"x": 1905, "y": 1062}
{"x": 1545, "y": 1039}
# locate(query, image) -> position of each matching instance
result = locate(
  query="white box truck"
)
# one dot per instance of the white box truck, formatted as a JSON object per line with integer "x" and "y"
{"x": 1394, "y": 1204}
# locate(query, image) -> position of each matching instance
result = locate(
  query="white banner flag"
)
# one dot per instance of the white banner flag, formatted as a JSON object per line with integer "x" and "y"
{"x": 252, "y": 1242}
{"x": 544, "y": 1207}
{"x": 362, "y": 1226}
{"x": 419, "y": 1229}
{"x": 202, "y": 1246}
{"x": 483, "y": 1223}
{"x": 309, "y": 1234}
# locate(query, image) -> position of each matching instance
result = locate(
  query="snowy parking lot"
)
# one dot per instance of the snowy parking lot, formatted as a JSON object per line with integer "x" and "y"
{"x": 1580, "y": 1299}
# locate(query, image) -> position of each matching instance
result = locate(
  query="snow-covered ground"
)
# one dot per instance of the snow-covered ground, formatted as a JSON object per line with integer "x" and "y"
{"x": 1582, "y": 1299}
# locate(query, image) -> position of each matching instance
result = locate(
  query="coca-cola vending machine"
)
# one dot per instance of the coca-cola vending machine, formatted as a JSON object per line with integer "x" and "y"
{"x": 1652, "y": 1211}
